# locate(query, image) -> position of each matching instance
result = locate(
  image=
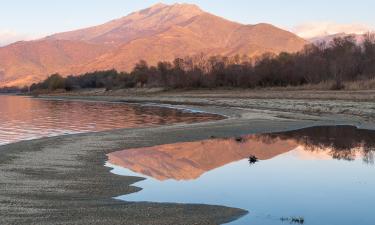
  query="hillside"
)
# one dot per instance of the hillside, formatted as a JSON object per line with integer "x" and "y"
{"x": 26, "y": 62}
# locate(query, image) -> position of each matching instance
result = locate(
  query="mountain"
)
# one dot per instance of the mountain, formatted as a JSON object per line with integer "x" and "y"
{"x": 144, "y": 23}
{"x": 204, "y": 34}
{"x": 159, "y": 33}
{"x": 328, "y": 38}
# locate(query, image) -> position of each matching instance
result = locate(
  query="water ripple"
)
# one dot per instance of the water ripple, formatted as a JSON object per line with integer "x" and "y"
{"x": 23, "y": 118}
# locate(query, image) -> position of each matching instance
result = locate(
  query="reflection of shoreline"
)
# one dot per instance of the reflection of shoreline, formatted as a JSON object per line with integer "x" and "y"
{"x": 189, "y": 160}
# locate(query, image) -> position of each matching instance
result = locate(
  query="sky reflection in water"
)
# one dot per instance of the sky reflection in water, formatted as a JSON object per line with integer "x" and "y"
{"x": 324, "y": 174}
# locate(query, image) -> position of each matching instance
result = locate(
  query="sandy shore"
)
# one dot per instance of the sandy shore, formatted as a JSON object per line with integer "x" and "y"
{"x": 62, "y": 180}
{"x": 347, "y": 103}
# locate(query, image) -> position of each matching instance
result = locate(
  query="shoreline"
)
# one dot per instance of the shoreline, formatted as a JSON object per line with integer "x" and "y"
{"x": 42, "y": 179}
{"x": 360, "y": 104}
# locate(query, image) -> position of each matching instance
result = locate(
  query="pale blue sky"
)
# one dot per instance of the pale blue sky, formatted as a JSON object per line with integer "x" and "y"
{"x": 40, "y": 17}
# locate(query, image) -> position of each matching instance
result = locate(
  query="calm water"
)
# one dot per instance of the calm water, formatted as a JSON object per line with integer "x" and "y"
{"x": 324, "y": 174}
{"x": 23, "y": 118}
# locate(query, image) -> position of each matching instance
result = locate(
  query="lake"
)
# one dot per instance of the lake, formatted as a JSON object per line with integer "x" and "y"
{"x": 315, "y": 176}
{"x": 24, "y": 118}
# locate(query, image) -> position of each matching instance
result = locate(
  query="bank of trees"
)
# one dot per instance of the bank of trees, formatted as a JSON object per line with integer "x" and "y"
{"x": 341, "y": 60}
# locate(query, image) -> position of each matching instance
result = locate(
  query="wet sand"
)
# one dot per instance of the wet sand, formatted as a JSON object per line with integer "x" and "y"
{"x": 62, "y": 180}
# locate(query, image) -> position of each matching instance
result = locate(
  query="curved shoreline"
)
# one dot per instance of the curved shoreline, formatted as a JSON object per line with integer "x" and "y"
{"x": 62, "y": 179}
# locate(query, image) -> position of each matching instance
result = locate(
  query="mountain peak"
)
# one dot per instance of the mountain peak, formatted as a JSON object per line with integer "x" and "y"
{"x": 154, "y": 8}
{"x": 181, "y": 9}
{"x": 158, "y": 5}
{"x": 186, "y": 6}
{"x": 143, "y": 23}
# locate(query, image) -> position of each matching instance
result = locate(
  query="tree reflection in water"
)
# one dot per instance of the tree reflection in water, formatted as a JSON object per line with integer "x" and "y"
{"x": 340, "y": 142}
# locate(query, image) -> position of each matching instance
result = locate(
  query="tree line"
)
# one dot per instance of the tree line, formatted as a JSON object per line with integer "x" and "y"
{"x": 340, "y": 60}
{"x": 13, "y": 90}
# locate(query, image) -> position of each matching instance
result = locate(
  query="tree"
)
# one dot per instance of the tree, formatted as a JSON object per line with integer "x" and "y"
{"x": 141, "y": 73}
{"x": 369, "y": 55}
{"x": 55, "y": 81}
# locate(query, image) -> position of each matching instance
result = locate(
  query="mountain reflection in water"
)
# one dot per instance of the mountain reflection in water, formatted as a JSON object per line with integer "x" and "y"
{"x": 189, "y": 160}
{"x": 323, "y": 175}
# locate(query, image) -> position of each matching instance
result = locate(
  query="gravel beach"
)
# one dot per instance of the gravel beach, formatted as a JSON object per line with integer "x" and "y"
{"x": 62, "y": 180}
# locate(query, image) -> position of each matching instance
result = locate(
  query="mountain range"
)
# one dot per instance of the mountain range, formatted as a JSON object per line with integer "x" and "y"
{"x": 159, "y": 33}
{"x": 359, "y": 38}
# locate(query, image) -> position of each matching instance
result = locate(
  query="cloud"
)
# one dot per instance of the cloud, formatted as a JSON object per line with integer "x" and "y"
{"x": 9, "y": 36}
{"x": 318, "y": 29}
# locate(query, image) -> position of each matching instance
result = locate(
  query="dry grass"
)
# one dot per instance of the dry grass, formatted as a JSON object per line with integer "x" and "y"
{"x": 359, "y": 85}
